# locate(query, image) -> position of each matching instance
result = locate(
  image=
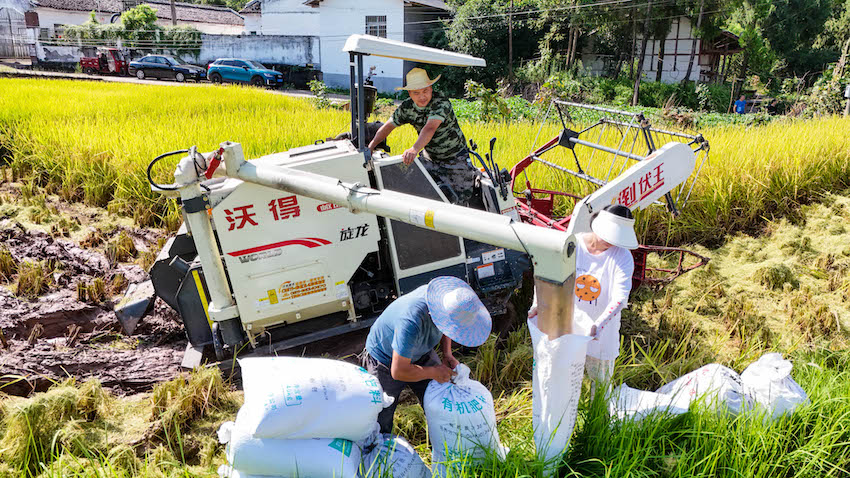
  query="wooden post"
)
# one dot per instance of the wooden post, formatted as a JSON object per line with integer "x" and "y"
{"x": 173, "y": 14}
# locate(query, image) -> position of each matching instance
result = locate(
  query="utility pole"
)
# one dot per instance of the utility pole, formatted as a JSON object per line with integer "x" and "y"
{"x": 510, "y": 41}
{"x": 173, "y": 14}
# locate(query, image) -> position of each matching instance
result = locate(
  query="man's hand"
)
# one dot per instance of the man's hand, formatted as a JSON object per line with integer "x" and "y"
{"x": 450, "y": 362}
{"x": 441, "y": 373}
{"x": 594, "y": 332}
{"x": 409, "y": 155}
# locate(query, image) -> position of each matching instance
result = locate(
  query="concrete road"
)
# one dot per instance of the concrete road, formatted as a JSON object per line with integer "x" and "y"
{"x": 15, "y": 73}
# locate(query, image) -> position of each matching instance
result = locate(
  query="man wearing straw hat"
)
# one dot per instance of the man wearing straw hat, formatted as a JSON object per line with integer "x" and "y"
{"x": 440, "y": 137}
{"x": 400, "y": 346}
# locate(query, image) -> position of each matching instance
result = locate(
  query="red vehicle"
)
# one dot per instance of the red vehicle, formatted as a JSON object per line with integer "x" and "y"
{"x": 108, "y": 61}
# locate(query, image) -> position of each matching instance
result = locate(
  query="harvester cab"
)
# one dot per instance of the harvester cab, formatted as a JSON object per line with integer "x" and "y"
{"x": 275, "y": 270}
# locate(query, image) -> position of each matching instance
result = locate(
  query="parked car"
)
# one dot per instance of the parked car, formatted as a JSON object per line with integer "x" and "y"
{"x": 106, "y": 61}
{"x": 235, "y": 70}
{"x": 162, "y": 66}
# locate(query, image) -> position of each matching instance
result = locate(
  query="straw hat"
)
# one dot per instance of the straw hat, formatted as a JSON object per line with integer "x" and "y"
{"x": 616, "y": 225}
{"x": 457, "y": 311}
{"x": 417, "y": 79}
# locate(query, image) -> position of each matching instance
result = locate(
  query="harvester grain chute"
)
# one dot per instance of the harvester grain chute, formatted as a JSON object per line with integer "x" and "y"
{"x": 314, "y": 242}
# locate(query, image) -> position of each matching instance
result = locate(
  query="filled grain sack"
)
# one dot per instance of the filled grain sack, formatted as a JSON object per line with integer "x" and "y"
{"x": 297, "y": 398}
{"x": 556, "y": 388}
{"x": 305, "y": 458}
{"x": 227, "y": 471}
{"x": 768, "y": 383}
{"x": 393, "y": 457}
{"x": 461, "y": 421}
{"x": 718, "y": 386}
{"x": 629, "y": 403}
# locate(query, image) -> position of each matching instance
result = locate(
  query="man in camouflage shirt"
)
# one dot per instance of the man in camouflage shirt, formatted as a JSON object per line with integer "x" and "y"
{"x": 444, "y": 145}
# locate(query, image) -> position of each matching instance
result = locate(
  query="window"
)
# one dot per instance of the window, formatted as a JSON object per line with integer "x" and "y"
{"x": 376, "y": 25}
{"x": 58, "y": 30}
{"x": 43, "y": 33}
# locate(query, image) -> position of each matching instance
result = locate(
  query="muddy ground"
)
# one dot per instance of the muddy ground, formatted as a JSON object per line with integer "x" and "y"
{"x": 57, "y": 335}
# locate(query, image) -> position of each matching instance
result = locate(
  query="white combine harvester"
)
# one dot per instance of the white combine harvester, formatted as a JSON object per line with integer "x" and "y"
{"x": 302, "y": 245}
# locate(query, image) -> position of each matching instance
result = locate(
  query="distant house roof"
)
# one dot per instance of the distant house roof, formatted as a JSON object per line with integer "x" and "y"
{"x": 186, "y": 12}
{"x": 254, "y": 6}
{"x": 438, "y": 4}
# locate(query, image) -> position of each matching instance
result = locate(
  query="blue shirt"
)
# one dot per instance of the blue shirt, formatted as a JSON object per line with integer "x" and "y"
{"x": 740, "y": 107}
{"x": 404, "y": 327}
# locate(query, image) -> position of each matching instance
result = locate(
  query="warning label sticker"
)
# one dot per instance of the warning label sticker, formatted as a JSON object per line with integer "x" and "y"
{"x": 293, "y": 290}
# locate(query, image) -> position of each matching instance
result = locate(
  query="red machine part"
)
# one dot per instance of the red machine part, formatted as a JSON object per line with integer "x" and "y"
{"x": 539, "y": 212}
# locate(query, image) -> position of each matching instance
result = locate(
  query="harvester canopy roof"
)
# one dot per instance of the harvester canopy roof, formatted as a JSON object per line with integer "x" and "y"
{"x": 377, "y": 46}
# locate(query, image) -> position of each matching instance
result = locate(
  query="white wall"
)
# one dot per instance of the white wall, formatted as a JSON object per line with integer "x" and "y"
{"x": 253, "y": 23}
{"x": 289, "y": 17}
{"x": 47, "y": 17}
{"x": 341, "y": 18}
{"x": 275, "y": 49}
{"x": 677, "y": 51}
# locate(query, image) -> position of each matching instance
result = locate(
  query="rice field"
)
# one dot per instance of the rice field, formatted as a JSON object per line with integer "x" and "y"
{"x": 91, "y": 142}
{"x": 771, "y": 211}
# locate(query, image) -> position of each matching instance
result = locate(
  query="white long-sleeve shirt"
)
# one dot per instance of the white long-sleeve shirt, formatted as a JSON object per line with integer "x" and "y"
{"x": 603, "y": 283}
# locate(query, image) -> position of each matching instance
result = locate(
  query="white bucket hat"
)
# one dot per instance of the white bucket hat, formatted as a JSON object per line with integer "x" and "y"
{"x": 457, "y": 311}
{"x": 614, "y": 227}
{"x": 417, "y": 79}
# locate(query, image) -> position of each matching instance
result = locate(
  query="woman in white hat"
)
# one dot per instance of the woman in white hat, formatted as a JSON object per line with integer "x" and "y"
{"x": 604, "y": 268}
{"x": 440, "y": 136}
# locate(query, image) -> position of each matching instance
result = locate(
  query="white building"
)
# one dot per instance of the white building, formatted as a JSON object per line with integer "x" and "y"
{"x": 332, "y": 21}
{"x": 53, "y": 14}
{"x": 677, "y": 53}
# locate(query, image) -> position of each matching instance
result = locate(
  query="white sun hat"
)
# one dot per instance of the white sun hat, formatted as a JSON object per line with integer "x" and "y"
{"x": 615, "y": 225}
{"x": 417, "y": 79}
{"x": 457, "y": 311}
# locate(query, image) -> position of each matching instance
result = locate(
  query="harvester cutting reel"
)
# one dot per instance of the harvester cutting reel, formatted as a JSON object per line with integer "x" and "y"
{"x": 612, "y": 142}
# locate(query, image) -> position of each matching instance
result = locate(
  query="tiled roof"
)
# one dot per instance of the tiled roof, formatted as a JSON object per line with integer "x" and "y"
{"x": 439, "y": 4}
{"x": 186, "y": 12}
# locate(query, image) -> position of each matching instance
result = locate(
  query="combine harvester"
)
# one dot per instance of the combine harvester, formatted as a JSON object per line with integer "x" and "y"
{"x": 314, "y": 242}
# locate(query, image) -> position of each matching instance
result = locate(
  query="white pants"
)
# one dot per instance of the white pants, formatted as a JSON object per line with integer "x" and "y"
{"x": 599, "y": 371}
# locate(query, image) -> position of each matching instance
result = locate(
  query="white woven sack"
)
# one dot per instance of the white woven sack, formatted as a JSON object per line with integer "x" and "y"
{"x": 394, "y": 457}
{"x": 630, "y": 403}
{"x": 768, "y": 383}
{"x": 556, "y": 388}
{"x": 309, "y": 458}
{"x": 227, "y": 471}
{"x": 461, "y": 421}
{"x": 297, "y": 398}
{"x": 717, "y": 385}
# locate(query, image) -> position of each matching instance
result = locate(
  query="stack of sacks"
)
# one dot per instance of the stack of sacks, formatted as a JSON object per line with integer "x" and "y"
{"x": 461, "y": 423}
{"x": 302, "y": 418}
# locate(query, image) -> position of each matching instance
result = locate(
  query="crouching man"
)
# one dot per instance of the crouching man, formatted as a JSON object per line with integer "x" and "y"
{"x": 400, "y": 346}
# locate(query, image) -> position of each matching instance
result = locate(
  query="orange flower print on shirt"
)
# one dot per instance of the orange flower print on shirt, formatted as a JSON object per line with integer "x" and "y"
{"x": 588, "y": 288}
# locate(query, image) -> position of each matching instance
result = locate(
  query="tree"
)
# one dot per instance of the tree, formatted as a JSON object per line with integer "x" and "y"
{"x": 646, "y": 21}
{"x": 791, "y": 27}
{"x": 480, "y": 28}
{"x": 695, "y": 33}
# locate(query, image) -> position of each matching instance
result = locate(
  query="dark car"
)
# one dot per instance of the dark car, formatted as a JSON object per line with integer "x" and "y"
{"x": 162, "y": 66}
{"x": 235, "y": 70}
